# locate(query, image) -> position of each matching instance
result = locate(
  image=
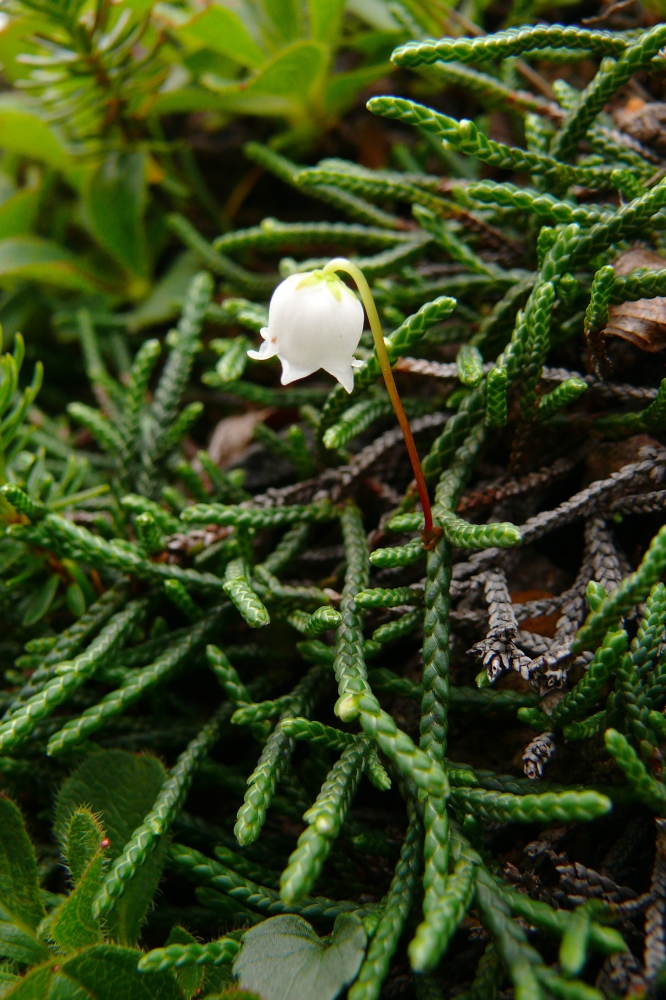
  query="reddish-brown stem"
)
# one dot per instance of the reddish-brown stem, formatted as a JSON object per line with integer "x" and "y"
{"x": 342, "y": 264}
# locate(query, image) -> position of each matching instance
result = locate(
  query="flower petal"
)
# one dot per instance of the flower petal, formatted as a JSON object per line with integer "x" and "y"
{"x": 343, "y": 373}
{"x": 291, "y": 372}
{"x": 267, "y": 349}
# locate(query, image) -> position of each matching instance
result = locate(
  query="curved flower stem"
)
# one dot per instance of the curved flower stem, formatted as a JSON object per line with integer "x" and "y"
{"x": 342, "y": 264}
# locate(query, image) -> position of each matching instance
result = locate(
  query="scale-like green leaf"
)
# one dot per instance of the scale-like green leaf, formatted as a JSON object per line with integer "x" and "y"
{"x": 104, "y": 972}
{"x": 223, "y": 30}
{"x": 283, "y": 958}
{"x": 120, "y": 788}
{"x": 115, "y": 202}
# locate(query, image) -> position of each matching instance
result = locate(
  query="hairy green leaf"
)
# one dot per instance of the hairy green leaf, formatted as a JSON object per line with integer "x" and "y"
{"x": 121, "y": 788}
{"x": 19, "y": 888}
{"x": 191, "y": 977}
{"x": 104, "y": 972}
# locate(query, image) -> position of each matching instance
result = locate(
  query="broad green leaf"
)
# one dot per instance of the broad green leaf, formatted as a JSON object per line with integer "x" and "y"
{"x": 120, "y": 788}
{"x": 325, "y": 17}
{"x": 115, "y": 203}
{"x": 284, "y": 959}
{"x": 166, "y": 299}
{"x": 19, "y": 888}
{"x": 104, "y": 972}
{"x": 31, "y": 258}
{"x": 40, "y": 600}
{"x": 81, "y": 843}
{"x": 191, "y": 977}
{"x": 222, "y": 30}
{"x": 343, "y": 89}
{"x": 18, "y": 213}
{"x": 282, "y": 87}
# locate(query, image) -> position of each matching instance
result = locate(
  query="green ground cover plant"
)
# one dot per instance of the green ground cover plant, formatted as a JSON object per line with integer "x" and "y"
{"x": 259, "y": 737}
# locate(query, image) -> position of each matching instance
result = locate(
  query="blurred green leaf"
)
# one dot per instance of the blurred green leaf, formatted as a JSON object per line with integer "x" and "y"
{"x": 325, "y": 17}
{"x": 185, "y": 100}
{"x": 342, "y": 89}
{"x": 40, "y": 600}
{"x": 16, "y": 39}
{"x": 375, "y": 13}
{"x": 115, "y": 202}
{"x": 223, "y": 30}
{"x": 285, "y": 18}
{"x": 282, "y": 87}
{"x": 166, "y": 299}
{"x": 76, "y": 601}
{"x": 35, "y": 259}
{"x": 24, "y": 132}
{"x": 18, "y": 213}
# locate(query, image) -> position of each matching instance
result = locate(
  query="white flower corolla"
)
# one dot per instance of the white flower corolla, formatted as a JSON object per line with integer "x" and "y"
{"x": 314, "y": 321}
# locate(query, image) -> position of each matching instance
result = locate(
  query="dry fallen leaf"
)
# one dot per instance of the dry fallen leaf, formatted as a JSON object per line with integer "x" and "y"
{"x": 644, "y": 122}
{"x": 233, "y": 435}
{"x": 643, "y": 322}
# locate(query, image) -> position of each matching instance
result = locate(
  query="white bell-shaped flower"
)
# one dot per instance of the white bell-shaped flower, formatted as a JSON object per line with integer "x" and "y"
{"x": 314, "y": 321}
